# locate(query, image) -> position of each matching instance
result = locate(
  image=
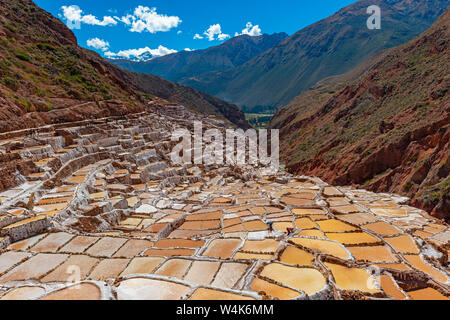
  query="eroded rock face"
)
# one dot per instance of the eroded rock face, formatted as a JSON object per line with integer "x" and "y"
{"x": 116, "y": 219}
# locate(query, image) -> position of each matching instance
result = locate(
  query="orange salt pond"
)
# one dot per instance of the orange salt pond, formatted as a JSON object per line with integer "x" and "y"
{"x": 358, "y": 218}
{"x": 149, "y": 289}
{"x": 255, "y": 225}
{"x": 333, "y": 225}
{"x": 403, "y": 244}
{"x": 352, "y": 278}
{"x": 305, "y": 223}
{"x": 204, "y": 216}
{"x": 210, "y": 294}
{"x": 222, "y": 248}
{"x": 389, "y": 287}
{"x": 261, "y": 246}
{"x": 418, "y": 263}
{"x": 174, "y": 268}
{"x": 322, "y": 246}
{"x": 297, "y": 256}
{"x": 427, "y": 294}
{"x": 382, "y": 228}
{"x": 282, "y": 226}
{"x": 372, "y": 254}
{"x": 304, "y": 279}
{"x": 201, "y": 225}
{"x": 312, "y": 233}
{"x": 252, "y": 256}
{"x": 274, "y": 290}
{"x": 352, "y": 238}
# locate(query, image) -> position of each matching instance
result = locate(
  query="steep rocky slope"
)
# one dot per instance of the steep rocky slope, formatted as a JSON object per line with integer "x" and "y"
{"x": 388, "y": 130}
{"x": 329, "y": 47}
{"x": 46, "y": 77}
{"x": 187, "y": 64}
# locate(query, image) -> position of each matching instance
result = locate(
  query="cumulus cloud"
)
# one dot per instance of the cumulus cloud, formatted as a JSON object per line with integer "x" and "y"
{"x": 138, "y": 53}
{"x": 98, "y": 44}
{"x": 250, "y": 30}
{"x": 75, "y": 15}
{"x": 214, "y": 32}
{"x": 148, "y": 19}
{"x": 143, "y": 19}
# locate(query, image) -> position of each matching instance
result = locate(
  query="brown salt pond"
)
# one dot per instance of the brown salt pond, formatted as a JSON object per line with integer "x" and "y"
{"x": 372, "y": 254}
{"x": 282, "y": 226}
{"x": 273, "y": 290}
{"x": 215, "y": 215}
{"x": 210, "y": 294}
{"x": 427, "y": 294}
{"x": 305, "y": 223}
{"x": 303, "y": 212}
{"x": 201, "y": 225}
{"x": 403, "y": 244}
{"x": 222, "y": 248}
{"x": 322, "y": 246}
{"x": 169, "y": 252}
{"x": 295, "y": 256}
{"x": 352, "y": 238}
{"x": 333, "y": 225}
{"x": 255, "y": 225}
{"x": 359, "y": 218}
{"x": 149, "y": 289}
{"x": 352, "y": 278}
{"x": 304, "y": 279}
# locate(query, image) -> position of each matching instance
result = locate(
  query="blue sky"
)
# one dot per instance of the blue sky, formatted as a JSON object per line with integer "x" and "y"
{"x": 119, "y": 28}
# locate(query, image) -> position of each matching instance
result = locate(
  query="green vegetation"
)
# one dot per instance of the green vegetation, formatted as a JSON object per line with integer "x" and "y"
{"x": 23, "y": 56}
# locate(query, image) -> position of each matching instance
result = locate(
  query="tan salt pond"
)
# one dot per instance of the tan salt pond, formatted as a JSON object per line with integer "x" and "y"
{"x": 179, "y": 243}
{"x": 372, "y": 254}
{"x": 322, "y": 246}
{"x": 24, "y": 293}
{"x": 282, "y": 226}
{"x": 204, "y": 216}
{"x": 222, "y": 248}
{"x": 305, "y": 279}
{"x": 229, "y": 274}
{"x": 403, "y": 244}
{"x": 333, "y": 225}
{"x": 352, "y": 278}
{"x": 142, "y": 265}
{"x": 297, "y": 201}
{"x": 255, "y": 225}
{"x": 174, "y": 268}
{"x": 261, "y": 246}
{"x": 201, "y": 225}
{"x": 168, "y": 252}
{"x": 297, "y": 256}
{"x": 427, "y": 294}
{"x": 149, "y": 289}
{"x": 274, "y": 290}
{"x": 84, "y": 291}
{"x": 352, "y": 238}
{"x": 210, "y": 294}
{"x": 202, "y": 272}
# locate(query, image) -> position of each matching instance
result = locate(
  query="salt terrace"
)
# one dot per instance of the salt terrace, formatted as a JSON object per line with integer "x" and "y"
{"x": 97, "y": 211}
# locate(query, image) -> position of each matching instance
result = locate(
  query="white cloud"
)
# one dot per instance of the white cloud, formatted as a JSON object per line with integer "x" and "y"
{"x": 214, "y": 32}
{"x": 187, "y": 49}
{"x": 98, "y": 44}
{"x": 137, "y": 53}
{"x": 250, "y": 30}
{"x": 75, "y": 15}
{"x": 147, "y": 19}
{"x": 179, "y": 32}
